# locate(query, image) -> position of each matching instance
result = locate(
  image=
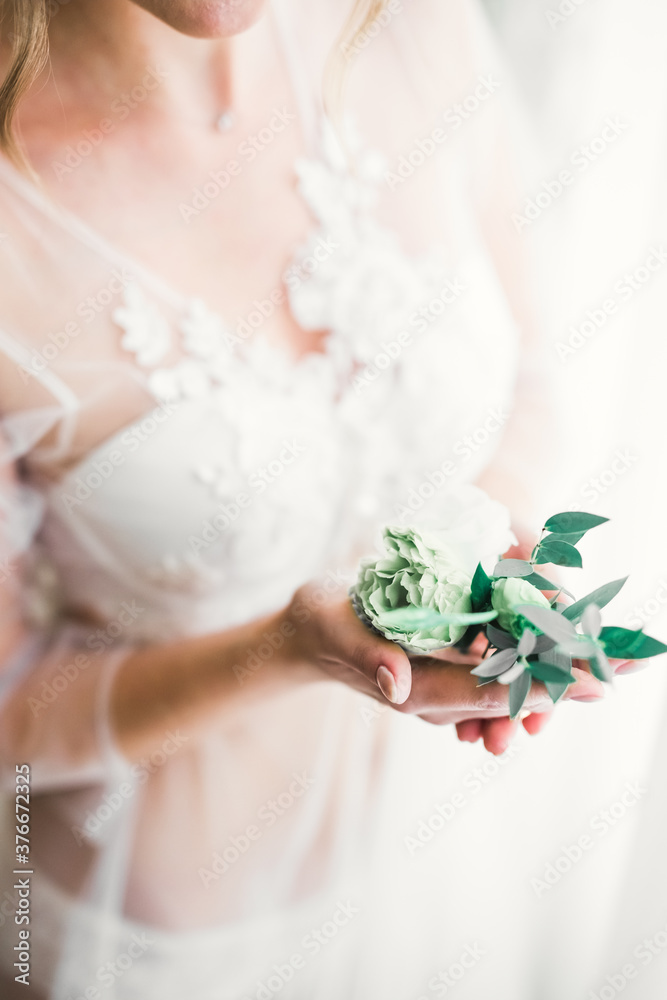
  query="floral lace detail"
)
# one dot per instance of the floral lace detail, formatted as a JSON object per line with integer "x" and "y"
{"x": 147, "y": 333}
{"x": 351, "y": 278}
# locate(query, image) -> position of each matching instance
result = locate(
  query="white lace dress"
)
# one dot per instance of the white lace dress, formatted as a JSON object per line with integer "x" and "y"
{"x": 178, "y": 477}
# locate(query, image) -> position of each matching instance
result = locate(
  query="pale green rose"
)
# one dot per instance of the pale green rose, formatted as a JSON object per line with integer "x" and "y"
{"x": 417, "y": 571}
{"x": 508, "y": 594}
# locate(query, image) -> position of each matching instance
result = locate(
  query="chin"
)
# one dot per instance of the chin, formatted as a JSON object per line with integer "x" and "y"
{"x": 205, "y": 18}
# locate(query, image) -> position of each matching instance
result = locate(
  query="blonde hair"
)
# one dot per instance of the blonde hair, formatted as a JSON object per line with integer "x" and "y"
{"x": 28, "y": 21}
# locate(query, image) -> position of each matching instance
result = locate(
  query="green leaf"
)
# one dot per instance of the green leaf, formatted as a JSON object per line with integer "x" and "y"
{"x": 480, "y": 588}
{"x": 572, "y": 537}
{"x": 413, "y": 619}
{"x": 512, "y": 567}
{"x": 519, "y": 690}
{"x": 541, "y": 582}
{"x": 542, "y": 670}
{"x": 500, "y": 639}
{"x": 602, "y": 596}
{"x": 556, "y": 689}
{"x": 496, "y": 664}
{"x": 626, "y": 644}
{"x": 548, "y": 621}
{"x": 559, "y": 553}
{"x": 572, "y": 521}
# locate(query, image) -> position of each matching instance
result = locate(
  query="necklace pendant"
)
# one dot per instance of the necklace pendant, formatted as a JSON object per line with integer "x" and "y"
{"x": 225, "y": 121}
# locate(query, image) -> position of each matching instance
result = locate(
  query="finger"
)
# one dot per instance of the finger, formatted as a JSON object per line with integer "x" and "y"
{"x": 382, "y": 662}
{"x": 443, "y": 693}
{"x": 469, "y": 731}
{"x": 585, "y": 688}
{"x": 535, "y": 722}
{"x": 498, "y": 734}
{"x": 630, "y": 666}
{"x": 471, "y": 657}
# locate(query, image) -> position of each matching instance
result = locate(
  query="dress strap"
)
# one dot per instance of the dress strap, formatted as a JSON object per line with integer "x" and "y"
{"x": 36, "y": 197}
{"x": 61, "y": 392}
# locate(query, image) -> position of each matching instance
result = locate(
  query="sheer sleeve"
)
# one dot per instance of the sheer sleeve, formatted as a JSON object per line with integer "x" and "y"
{"x": 499, "y": 154}
{"x": 54, "y": 674}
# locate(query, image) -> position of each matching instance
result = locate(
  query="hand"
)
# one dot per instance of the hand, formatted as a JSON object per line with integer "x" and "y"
{"x": 439, "y": 689}
{"x": 497, "y": 734}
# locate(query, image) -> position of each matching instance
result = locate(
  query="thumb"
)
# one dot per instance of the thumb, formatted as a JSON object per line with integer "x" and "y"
{"x": 388, "y": 666}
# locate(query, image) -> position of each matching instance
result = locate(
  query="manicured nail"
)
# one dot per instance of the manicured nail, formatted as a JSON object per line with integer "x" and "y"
{"x": 387, "y": 684}
{"x": 631, "y": 667}
{"x": 587, "y": 697}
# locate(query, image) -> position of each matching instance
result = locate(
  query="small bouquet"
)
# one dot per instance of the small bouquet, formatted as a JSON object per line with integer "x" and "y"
{"x": 423, "y": 594}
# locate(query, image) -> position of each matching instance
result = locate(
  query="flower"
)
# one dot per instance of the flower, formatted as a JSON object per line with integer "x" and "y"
{"x": 416, "y": 571}
{"x": 474, "y": 526}
{"x": 508, "y": 594}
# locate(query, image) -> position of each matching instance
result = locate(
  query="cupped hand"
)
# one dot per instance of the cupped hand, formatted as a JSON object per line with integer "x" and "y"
{"x": 440, "y": 689}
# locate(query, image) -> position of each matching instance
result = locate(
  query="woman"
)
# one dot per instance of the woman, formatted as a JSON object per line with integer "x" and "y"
{"x": 184, "y": 675}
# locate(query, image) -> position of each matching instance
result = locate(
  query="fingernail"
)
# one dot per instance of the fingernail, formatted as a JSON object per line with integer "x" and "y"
{"x": 387, "y": 684}
{"x": 587, "y": 697}
{"x": 631, "y": 667}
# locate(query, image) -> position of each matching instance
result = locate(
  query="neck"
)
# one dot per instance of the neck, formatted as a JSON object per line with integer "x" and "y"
{"x": 102, "y": 49}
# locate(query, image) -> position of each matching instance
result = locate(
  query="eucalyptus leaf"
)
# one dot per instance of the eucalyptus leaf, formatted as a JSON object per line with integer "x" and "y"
{"x": 512, "y": 567}
{"x": 519, "y": 691}
{"x": 559, "y": 553}
{"x": 548, "y": 621}
{"x": 509, "y": 676}
{"x": 602, "y": 596}
{"x": 626, "y": 644}
{"x": 542, "y": 583}
{"x": 542, "y": 670}
{"x": 496, "y": 664}
{"x": 556, "y": 689}
{"x": 591, "y": 621}
{"x": 527, "y": 643}
{"x": 571, "y": 536}
{"x": 600, "y": 666}
{"x": 500, "y": 639}
{"x": 574, "y": 520}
